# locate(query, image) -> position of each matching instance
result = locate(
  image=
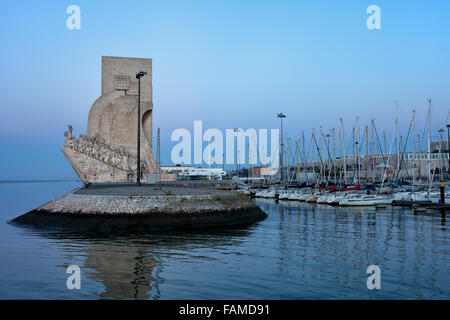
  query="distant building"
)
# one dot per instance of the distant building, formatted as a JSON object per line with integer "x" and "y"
{"x": 443, "y": 146}
{"x": 192, "y": 173}
{"x": 176, "y": 169}
{"x": 262, "y": 171}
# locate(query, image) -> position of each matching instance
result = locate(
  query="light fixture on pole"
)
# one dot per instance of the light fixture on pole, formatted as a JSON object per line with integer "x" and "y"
{"x": 237, "y": 152}
{"x": 441, "y": 131}
{"x": 281, "y": 116}
{"x": 448, "y": 148}
{"x": 139, "y": 75}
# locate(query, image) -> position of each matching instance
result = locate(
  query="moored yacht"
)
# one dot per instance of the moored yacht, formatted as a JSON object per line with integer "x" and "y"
{"x": 366, "y": 200}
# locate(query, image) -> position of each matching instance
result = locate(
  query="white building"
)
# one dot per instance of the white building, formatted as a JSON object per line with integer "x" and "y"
{"x": 192, "y": 173}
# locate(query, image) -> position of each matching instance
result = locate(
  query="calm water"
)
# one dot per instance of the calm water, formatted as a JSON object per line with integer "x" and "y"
{"x": 300, "y": 251}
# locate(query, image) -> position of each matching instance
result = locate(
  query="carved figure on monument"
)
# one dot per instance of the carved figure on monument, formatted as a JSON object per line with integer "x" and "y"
{"x": 110, "y": 142}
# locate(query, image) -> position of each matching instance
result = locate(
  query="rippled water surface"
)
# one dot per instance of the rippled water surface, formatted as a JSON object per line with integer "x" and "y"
{"x": 300, "y": 251}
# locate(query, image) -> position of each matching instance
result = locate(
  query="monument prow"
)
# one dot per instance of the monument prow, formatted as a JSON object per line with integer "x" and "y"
{"x": 108, "y": 153}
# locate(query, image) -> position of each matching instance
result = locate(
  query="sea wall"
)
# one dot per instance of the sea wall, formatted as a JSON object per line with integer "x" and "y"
{"x": 99, "y": 212}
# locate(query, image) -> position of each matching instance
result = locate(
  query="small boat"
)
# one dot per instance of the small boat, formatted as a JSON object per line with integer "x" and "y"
{"x": 335, "y": 198}
{"x": 435, "y": 197}
{"x": 332, "y": 188}
{"x": 349, "y": 188}
{"x": 422, "y": 197}
{"x": 270, "y": 194}
{"x": 284, "y": 195}
{"x": 323, "y": 198}
{"x": 260, "y": 194}
{"x": 303, "y": 196}
{"x": 312, "y": 198}
{"x": 294, "y": 196}
{"x": 366, "y": 200}
{"x": 402, "y": 198}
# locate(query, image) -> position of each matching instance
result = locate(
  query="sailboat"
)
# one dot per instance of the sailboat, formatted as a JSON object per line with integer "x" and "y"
{"x": 366, "y": 200}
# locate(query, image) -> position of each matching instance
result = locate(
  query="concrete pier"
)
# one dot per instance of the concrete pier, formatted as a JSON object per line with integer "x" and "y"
{"x": 129, "y": 208}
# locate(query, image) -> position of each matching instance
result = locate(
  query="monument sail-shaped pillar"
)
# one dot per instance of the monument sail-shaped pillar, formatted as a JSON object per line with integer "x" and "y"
{"x": 108, "y": 152}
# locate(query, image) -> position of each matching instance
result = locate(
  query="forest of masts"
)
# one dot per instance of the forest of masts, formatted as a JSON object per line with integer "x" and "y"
{"x": 369, "y": 157}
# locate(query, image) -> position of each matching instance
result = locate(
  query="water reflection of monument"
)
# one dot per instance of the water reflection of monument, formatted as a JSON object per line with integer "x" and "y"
{"x": 127, "y": 272}
{"x": 130, "y": 267}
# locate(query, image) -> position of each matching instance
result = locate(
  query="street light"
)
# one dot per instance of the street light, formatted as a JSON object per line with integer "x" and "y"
{"x": 237, "y": 152}
{"x": 139, "y": 75}
{"x": 448, "y": 149}
{"x": 441, "y": 131}
{"x": 328, "y": 151}
{"x": 281, "y": 116}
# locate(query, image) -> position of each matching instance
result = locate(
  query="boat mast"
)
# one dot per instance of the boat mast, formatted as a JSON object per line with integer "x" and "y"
{"x": 372, "y": 151}
{"x": 355, "y": 163}
{"x": 358, "y": 150}
{"x": 334, "y": 157}
{"x": 313, "y": 158}
{"x": 321, "y": 154}
{"x": 343, "y": 147}
{"x": 298, "y": 162}
{"x": 440, "y": 154}
{"x": 429, "y": 146}
{"x": 420, "y": 160}
{"x": 303, "y": 152}
{"x": 414, "y": 146}
{"x": 329, "y": 155}
{"x": 340, "y": 154}
{"x": 397, "y": 137}
{"x": 367, "y": 154}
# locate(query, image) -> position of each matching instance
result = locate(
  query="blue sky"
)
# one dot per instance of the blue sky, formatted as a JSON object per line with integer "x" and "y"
{"x": 228, "y": 63}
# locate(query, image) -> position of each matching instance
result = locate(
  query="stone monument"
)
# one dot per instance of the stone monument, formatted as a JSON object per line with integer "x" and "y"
{"x": 108, "y": 152}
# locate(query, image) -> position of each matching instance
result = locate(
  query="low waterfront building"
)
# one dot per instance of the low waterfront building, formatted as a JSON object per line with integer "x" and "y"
{"x": 192, "y": 173}
{"x": 381, "y": 166}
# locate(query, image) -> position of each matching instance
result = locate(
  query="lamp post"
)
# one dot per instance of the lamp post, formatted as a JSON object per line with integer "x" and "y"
{"x": 448, "y": 148}
{"x": 139, "y": 75}
{"x": 237, "y": 152}
{"x": 281, "y": 116}
{"x": 329, "y": 158}
{"x": 441, "y": 131}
